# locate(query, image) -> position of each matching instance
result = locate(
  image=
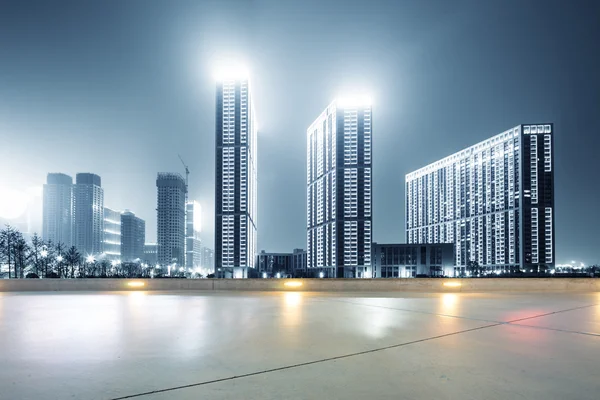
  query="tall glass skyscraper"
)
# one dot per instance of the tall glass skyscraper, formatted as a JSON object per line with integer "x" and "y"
{"x": 235, "y": 180}
{"x": 193, "y": 244}
{"x": 170, "y": 215}
{"x": 493, "y": 200}
{"x": 111, "y": 242}
{"x": 133, "y": 236}
{"x": 339, "y": 190}
{"x": 57, "y": 217}
{"x": 88, "y": 200}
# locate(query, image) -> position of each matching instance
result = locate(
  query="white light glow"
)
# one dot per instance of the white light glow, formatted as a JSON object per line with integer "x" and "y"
{"x": 89, "y": 259}
{"x": 231, "y": 72}
{"x": 354, "y": 101}
{"x": 59, "y": 258}
{"x": 321, "y": 274}
{"x": 13, "y": 203}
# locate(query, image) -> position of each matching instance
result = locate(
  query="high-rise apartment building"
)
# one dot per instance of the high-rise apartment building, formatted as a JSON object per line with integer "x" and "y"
{"x": 193, "y": 244}
{"x": 170, "y": 213}
{"x": 88, "y": 209}
{"x": 493, "y": 200}
{"x": 339, "y": 190}
{"x": 133, "y": 237}
{"x": 57, "y": 217}
{"x": 235, "y": 180}
{"x": 207, "y": 262}
{"x": 111, "y": 241}
{"x": 151, "y": 253}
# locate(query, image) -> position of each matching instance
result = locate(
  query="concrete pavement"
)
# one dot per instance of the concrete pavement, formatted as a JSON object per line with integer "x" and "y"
{"x": 299, "y": 345}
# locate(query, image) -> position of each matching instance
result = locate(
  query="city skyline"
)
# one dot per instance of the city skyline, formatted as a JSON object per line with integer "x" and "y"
{"x": 447, "y": 99}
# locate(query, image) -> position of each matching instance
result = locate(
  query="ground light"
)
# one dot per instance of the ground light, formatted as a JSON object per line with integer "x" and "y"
{"x": 452, "y": 284}
{"x": 136, "y": 284}
{"x": 293, "y": 284}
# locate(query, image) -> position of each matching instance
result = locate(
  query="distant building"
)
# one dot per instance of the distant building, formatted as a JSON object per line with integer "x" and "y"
{"x": 275, "y": 263}
{"x": 339, "y": 195}
{"x": 88, "y": 200}
{"x": 170, "y": 212}
{"x": 111, "y": 242}
{"x": 236, "y": 179}
{"x": 299, "y": 263}
{"x": 410, "y": 260}
{"x": 193, "y": 244}
{"x": 493, "y": 200}
{"x": 133, "y": 237}
{"x": 151, "y": 254}
{"x": 207, "y": 262}
{"x": 57, "y": 217}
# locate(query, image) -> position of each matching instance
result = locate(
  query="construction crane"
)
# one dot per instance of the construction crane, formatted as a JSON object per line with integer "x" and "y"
{"x": 185, "y": 244}
{"x": 187, "y": 175}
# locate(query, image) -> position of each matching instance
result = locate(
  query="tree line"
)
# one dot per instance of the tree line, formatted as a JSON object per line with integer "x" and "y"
{"x": 38, "y": 258}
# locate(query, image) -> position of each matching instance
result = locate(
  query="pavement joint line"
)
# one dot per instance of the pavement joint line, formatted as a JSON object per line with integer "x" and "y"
{"x": 323, "y": 360}
{"x": 512, "y": 322}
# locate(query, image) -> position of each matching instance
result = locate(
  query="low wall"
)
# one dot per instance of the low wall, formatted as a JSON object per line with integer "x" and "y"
{"x": 316, "y": 285}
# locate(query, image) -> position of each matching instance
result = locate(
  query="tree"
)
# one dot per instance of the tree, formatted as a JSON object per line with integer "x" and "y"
{"x": 37, "y": 247}
{"x": 7, "y": 241}
{"x": 22, "y": 255}
{"x": 473, "y": 267}
{"x": 72, "y": 258}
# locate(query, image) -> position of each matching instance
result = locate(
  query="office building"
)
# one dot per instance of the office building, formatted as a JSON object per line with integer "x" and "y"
{"x": 151, "y": 253}
{"x": 207, "y": 262}
{"x": 339, "y": 190}
{"x": 88, "y": 209}
{"x": 235, "y": 180}
{"x": 276, "y": 265}
{"x": 57, "y": 217}
{"x": 412, "y": 260}
{"x": 193, "y": 244}
{"x": 299, "y": 263}
{"x": 170, "y": 211}
{"x": 111, "y": 241}
{"x": 133, "y": 237}
{"x": 493, "y": 200}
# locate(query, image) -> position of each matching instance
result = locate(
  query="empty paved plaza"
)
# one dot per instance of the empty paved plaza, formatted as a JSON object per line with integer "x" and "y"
{"x": 297, "y": 345}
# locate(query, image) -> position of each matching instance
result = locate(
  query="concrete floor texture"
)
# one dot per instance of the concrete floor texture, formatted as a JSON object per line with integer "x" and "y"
{"x": 298, "y": 345}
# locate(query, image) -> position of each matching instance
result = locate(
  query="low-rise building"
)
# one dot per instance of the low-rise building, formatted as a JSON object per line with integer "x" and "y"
{"x": 409, "y": 260}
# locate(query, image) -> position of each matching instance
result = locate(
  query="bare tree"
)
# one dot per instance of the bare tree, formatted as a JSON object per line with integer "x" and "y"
{"x": 73, "y": 258}
{"x": 37, "y": 248}
{"x": 7, "y": 243}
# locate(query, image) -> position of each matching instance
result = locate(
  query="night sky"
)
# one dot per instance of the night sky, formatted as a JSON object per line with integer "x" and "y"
{"x": 119, "y": 88}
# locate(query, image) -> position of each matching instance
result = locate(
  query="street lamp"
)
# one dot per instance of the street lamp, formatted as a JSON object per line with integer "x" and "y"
{"x": 89, "y": 259}
{"x": 59, "y": 258}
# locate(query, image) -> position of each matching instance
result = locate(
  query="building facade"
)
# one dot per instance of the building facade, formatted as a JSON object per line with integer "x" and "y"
{"x": 57, "y": 219}
{"x": 412, "y": 260}
{"x": 273, "y": 265}
{"x": 208, "y": 261}
{"x": 170, "y": 213}
{"x": 133, "y": 237}
{"x": 339, "y": 190}
{"x": 111, "y": 241}
{"x": 151, "y": 254}
{"x": 299, "y": 264}
{"x": 88, "y": 210}
{"x": 493, "y": 200}
{"x": 236, "y": 179}
{"x": 193, "y": 227}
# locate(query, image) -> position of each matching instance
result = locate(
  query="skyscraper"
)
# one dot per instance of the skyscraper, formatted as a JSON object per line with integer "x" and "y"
{"x": 235, "y": 180}
{"x": 493, "y": 200}
{"x": 111, "y": 241}
{"x": 133, "y": 237}
{"x": 170, "y": 212}
{"x": 339, "y": 190}
{"x": 58, "y": 209}
{"x": 88, "y": 199}
{"x": 193, "y": 244}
